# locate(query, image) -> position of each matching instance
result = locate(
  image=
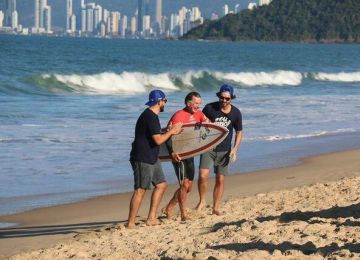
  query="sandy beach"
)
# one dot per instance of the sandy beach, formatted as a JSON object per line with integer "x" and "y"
{"x": 310, "y": 210}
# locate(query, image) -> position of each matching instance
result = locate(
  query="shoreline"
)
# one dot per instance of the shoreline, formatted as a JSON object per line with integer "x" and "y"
{"x": 43, "y": 227}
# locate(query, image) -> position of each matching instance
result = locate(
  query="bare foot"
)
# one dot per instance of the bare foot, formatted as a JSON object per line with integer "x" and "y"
{"x": 216, "y": 212}
{"x": 185, "y": 218}
{"x": 152, "y": 222}
{"x": 167, "y": 212}
{"x": 130, "y": 225}
{"x": 200, "y": 206}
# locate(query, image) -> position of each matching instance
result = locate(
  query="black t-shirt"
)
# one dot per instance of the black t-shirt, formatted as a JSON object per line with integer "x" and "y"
{"x": 144, "y": 149}
{"x": 232, "y": 120}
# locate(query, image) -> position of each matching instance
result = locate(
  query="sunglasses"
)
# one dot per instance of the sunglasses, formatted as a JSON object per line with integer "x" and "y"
{"x": 164, "y": 99}
{"x": 224, "y": 98}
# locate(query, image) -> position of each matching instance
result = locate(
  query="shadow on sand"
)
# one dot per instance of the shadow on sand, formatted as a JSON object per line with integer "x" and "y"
{"x": 331, "y": 213}
{"x": 54, "y": 229}
{"x": 307, "y": 248}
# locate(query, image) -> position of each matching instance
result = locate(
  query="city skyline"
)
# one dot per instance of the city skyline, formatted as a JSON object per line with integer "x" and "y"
{"x": 94, "y": 20}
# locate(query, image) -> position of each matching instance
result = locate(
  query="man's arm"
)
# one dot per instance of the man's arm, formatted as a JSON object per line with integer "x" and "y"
{"x": 234, "y": 150}
{"x": 173, "y": 130}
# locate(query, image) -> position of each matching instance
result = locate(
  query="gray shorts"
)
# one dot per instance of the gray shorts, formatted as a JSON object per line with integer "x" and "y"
{"x": 218, "y": 160}
{"x": 146, "y": 174}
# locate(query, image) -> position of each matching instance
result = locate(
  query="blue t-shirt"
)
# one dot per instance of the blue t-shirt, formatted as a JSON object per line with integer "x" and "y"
{"x": 144, "y": 149}
{"x": 232, "y": 120}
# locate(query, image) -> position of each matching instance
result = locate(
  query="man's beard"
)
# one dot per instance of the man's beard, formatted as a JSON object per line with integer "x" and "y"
{"x": 162, "y": 108}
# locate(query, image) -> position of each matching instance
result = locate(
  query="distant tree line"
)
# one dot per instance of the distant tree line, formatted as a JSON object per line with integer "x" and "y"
{"x": 288, "y": 20}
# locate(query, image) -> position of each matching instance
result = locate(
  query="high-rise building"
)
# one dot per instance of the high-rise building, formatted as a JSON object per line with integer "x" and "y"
{"x": 37, "y": 14}
{"x": 214, "y": 17}
{"x": 14, "y": 20}
{"x": 73, "y": 23}
{"x": 251, "y": 5}
{"x": 83, "y": 20}
{"x": 47, "y": 18}
{"x": 133, "y": 26}
{"x": 115, "y": 17}
{"x": 82, "y": 4}
{"x": 1, "y": 19}
{"x": 69, "y": 12}
{"x": 146, "y": 23}
{"x": 10, "y": 8}
{"x": 123, "y": 25}
{"x": 264, "y": 2}
{"x": 98, "y": 12}
{"x": 140, "y": 14}
{"x": 42, "y": 5}
{"x": 225, "y": 10}
{"x": 237, "y": 8}
{"x": 90, "y": 17}
{"x": 158, "y": 16}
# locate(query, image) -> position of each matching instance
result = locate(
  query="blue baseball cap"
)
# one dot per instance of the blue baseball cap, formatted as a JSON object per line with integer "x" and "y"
{"x": 155, "y": 96}
{"x": 227, "y": 88}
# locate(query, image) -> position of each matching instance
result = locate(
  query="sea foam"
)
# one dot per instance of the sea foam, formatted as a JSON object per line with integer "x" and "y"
{"x": 340, "y": 77}
{"x": 110, "y": 82}
{"x": 278, "y": 78}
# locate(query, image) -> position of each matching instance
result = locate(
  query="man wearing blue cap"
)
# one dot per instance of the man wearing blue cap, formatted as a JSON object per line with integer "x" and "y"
{"x": 144, "y": 157}
{"x": 225, "y": 114}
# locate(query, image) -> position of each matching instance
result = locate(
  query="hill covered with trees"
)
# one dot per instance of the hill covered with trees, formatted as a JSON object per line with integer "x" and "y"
{"x": 288, "y": 20}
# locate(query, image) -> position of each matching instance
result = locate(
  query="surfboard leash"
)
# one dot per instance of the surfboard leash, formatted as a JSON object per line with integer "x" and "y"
{"x": 181, "y": 170}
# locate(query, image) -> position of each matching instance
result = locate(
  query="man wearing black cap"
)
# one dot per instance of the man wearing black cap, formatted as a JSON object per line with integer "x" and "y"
{"x": 144, "y": 157}
{"x": 225, "y": 114}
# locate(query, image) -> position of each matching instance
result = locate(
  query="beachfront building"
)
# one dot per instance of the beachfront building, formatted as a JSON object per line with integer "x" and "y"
{"x": 264, "y": 2}
{"x": 158, "y": 17}
{"x": 251, "y": 5}
{"x": 225, "y": 10}
{"x": 133, "y": 25}
{"x": 69, "y": 12}
{"x": 237, "y": 8}
{"x": 14, "y": 20}
{"x": 47, "y": 19}
{"x": 10, "y": 8}
{"x": 42, "y": 17}
{"x": 1, "y": 19}
{"x": 123, "y": 26}
{"x": 114, "y": 21}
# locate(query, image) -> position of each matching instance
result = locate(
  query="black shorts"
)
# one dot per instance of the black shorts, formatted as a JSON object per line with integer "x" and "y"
{"x": 187, "y": 166}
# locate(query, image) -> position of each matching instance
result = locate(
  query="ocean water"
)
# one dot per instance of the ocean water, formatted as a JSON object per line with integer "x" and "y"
{"x": 68, "y": 107}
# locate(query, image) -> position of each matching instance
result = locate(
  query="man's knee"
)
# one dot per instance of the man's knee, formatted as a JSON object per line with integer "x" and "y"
{"x": 161, "y": 186}
{"x": 220, "y": 178}
{"x": 186, "y": 186}
{"x": 203, "y": 174}
{"x": 140, "y": 191}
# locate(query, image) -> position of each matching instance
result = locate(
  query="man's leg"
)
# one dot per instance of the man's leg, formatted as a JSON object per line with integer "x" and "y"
{"x": 155, "y": 202}
{"x": 184, "y": 189}
{"x": 135, "y": 203}
{"x": 218, "y": 193}
{"x": 172, "y": 203}
{"x": 202, "y": 187}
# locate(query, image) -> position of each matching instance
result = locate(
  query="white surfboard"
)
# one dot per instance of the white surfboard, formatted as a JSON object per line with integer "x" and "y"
{"x": 195, "y": 139}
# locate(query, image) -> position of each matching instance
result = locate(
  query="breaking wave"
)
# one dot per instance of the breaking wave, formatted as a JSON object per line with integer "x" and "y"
{"x": 141, "y": 82}
{"x": 339, "y": 77}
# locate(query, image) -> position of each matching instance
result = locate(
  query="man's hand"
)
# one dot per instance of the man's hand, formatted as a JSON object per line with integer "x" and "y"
{"x": 175, "y": 157}
{"x": 175, "y": 129}
{"x": 233, "y": 155}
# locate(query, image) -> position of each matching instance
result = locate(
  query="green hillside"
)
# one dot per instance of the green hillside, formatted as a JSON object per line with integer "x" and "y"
{"x": 288, "y": 20}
